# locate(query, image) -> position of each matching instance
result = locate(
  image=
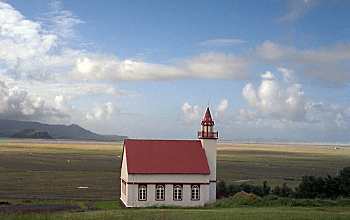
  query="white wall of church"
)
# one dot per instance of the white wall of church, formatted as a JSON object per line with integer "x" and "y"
{"x": 133, "y": 201}
{"x": 210, "y": 151}
{"x": 124, "y": 177}
{"x": 130, "y": 197}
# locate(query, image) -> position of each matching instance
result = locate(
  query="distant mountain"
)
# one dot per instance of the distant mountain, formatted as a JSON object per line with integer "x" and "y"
{"x": 33, "y": 134}
{"x": 25, "y": 129}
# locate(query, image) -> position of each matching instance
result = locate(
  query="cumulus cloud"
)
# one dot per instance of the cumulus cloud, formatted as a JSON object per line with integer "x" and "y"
{"x": 18, "y": 104}
{"x": 272, "y": 98}
{"x": 221, "y": 108}
{"x": 283, "y": 104}
{"x": 190, "y": 112}
{"x": 21, "y": 39}
{"x": 288, "y": 75}
{"x": 104, "y": 111}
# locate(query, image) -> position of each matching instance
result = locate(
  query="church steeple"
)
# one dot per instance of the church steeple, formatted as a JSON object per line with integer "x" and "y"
{"x": 207, "y": 127}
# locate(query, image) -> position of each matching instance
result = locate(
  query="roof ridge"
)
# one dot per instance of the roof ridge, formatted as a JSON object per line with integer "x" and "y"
{"x": 136, "y": 139}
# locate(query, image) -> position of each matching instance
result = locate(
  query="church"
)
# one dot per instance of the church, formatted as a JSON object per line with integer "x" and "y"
{"x": 170, "y": 172}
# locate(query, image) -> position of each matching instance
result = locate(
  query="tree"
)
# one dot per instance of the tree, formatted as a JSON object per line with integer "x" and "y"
{"x": 332, "y": 187}
{"x": 344, "y": 179}
{"x": 277, "y": 190}
{"x": 221, "y": 190}
{"x": 266, "y": 189}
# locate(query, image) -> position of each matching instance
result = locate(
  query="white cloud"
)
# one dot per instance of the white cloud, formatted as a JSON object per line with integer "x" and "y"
{"x": 21, "y": 39}
{"x": 18, "y": 104}
{"x": 61, "y": 22}
{"x": 99, "y": 67}
{"x": 272, "y": 98}
{"x": 191, "y": 113}
{"x": 102, "y": 112}
{"x": 284, "y": 105}
{"x": 39, "y": 50}
{"x": 297, "y": 9}
{"x": 221, "y": 108}
{"x": 210, "y": 65}
{"x": 330, "y": 64}
{"x": 268, "y": 76}
{"x": 288, "y": 75}
{"x": 222, "y": 42}
{"x": 69, "y": 90}
{"x": 217, "y": 66}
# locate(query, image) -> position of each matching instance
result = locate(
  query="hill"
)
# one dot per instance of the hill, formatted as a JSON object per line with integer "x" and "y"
{"x": 33, "y": 134}
{"x": 29, "y": 129}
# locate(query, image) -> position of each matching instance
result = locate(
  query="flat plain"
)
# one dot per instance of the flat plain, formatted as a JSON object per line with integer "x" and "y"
{"x": 63, "y": 170}
{"x": 60, "y": 172}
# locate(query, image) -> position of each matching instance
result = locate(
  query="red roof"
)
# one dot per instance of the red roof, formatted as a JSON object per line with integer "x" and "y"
{"x": 165, "y": 157}
{"x": 207, "y": 119}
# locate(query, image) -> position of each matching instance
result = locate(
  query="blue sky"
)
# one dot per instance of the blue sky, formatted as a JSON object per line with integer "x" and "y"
{"x": 268, "y": 69}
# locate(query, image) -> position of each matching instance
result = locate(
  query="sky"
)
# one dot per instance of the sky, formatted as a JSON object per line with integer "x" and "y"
{"x": 269, "y": 70}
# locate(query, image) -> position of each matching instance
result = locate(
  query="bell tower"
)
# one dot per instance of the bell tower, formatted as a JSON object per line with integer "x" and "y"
{"x": 208, "y": 137}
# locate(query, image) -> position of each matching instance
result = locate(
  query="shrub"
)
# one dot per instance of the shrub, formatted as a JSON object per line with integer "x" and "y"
{"x": 239, "y": 199}
{"x": 310, "y": 187}
{"x": 243, "y": 198}
{"x": 221, "y": 190}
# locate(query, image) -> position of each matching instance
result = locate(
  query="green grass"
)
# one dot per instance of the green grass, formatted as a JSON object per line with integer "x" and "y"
{"x": 107, "y": 205}
{"x": 278, "y": 213}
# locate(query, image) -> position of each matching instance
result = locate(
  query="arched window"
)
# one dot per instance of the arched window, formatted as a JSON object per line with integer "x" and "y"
{"x": 177, "y": 192}
{"x": 142, "y": 192}
{"x": 160, "y": 192}
{"x": 195, "y": 192}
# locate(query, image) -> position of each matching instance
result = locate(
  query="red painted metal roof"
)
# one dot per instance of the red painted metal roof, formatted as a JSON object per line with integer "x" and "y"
{"x": 165, "y": 157}
{"x": 207, "y": 119}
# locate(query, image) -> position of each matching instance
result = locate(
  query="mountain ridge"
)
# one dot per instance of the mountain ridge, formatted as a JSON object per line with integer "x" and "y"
{"x": 10, "y": 128}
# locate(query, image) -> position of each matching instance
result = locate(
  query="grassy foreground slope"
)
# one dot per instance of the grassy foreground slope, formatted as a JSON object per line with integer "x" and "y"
{"x": 56, "y": 170}
{"x": 277, "y": 213}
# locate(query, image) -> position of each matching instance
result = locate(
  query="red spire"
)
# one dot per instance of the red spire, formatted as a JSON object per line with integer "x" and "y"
{"x": 207, "y": 119}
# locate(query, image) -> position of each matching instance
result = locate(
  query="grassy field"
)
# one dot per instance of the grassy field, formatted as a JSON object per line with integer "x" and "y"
{"x": 52, "y": 172}
{"x": 333, "y": 213}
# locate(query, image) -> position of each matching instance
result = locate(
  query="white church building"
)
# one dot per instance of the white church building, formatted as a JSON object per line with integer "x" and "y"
{"x": 170, "y": 172}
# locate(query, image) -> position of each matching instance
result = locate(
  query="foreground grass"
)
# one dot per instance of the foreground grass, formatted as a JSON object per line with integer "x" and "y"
{"x": 333, "y": 213}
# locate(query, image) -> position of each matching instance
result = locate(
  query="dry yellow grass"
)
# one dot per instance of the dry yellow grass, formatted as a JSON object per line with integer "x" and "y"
{"x": 43, "y": 145}
{"x": 287, "y": 148}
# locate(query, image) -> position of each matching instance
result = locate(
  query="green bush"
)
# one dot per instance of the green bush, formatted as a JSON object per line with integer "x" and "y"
{"x": 310, "y": 187}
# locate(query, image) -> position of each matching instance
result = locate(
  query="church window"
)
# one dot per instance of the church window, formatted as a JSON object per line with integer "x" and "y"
{"x": 160, "y": 192}
{"x": 195, "y": 192}
{"x": 142, "y": 192}
{"x": 177, "y": 192}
